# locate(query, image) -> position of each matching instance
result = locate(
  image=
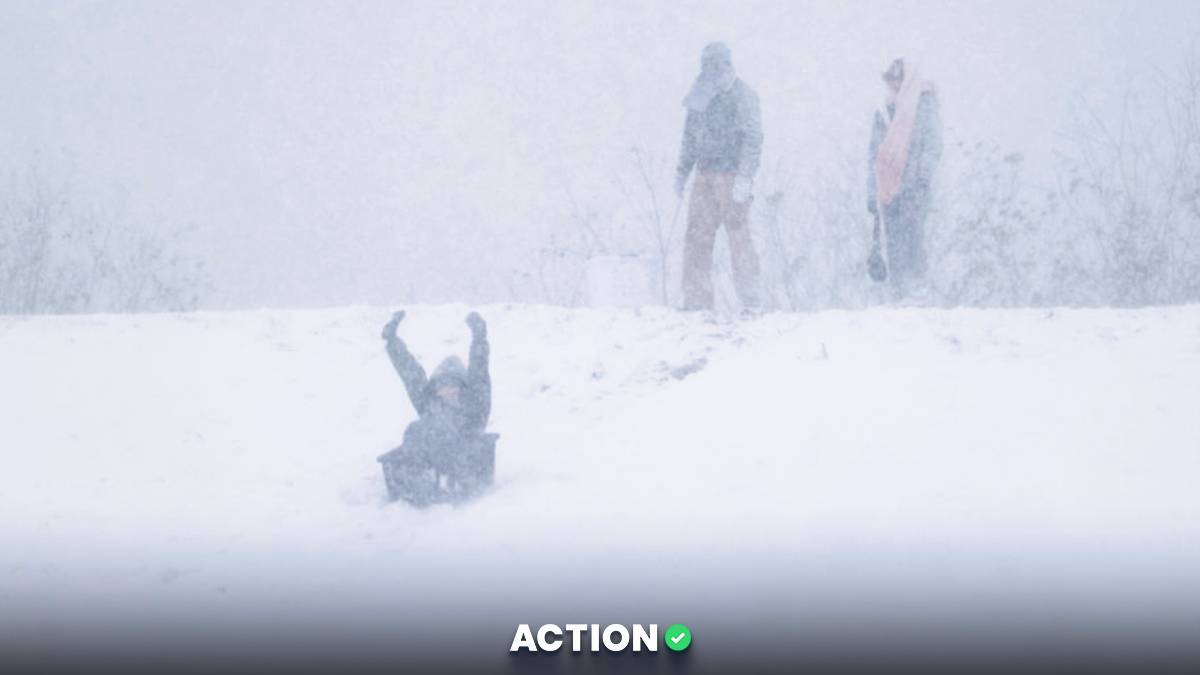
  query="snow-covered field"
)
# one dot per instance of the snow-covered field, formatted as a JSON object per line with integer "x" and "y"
{"x": 225, "y": 463}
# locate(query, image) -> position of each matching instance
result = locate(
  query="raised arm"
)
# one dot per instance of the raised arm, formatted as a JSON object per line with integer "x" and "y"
{"x": 406, "y": 364}
{"x": 479, "y": 379}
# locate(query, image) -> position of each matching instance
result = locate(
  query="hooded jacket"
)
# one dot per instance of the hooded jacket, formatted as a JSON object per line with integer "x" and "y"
{"x": 723, "y": 129}
{"x": 441, "y": 423}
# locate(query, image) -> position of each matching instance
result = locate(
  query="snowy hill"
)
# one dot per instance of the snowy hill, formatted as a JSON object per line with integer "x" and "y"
{"x": 224, "y": 463}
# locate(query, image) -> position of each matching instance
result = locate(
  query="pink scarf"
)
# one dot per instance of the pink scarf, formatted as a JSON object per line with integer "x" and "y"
{"x": 893, "y": 150}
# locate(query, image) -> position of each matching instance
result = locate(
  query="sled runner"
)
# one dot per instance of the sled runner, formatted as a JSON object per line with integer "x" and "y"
{"x": 451, "y": 477}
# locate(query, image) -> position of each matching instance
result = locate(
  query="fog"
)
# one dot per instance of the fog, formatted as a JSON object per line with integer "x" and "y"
{"x": 336, "y": 153}
{"x": 978, "y": 452}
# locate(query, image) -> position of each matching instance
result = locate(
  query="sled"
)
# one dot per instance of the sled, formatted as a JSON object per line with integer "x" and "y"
{"x": 453, "y": 478}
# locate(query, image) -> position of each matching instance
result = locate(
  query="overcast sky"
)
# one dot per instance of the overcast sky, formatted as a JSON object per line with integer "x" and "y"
{"x": 332, "y": 153}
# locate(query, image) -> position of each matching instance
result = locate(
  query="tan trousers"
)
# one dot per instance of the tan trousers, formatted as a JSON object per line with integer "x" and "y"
{"x": 712, "y": 206}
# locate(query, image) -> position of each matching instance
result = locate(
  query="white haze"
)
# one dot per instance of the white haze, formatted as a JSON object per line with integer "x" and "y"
{"x": 332, "y": 153}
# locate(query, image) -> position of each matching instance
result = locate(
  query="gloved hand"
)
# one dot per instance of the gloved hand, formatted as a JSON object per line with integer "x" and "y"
{"x": 741, "y": 189}
{"x": 680, "y": 184}
{"x": 477, "y": 325}
{"x": 389, "y": 330}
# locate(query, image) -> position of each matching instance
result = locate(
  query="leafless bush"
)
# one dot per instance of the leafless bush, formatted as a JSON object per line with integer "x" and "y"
{"x": 644, "y": 221}
{"x": 1132, "y": 188}
{"x": 58, "y": 256}
{"x": 813, "y": 236}
{"x": 982, "y": 241}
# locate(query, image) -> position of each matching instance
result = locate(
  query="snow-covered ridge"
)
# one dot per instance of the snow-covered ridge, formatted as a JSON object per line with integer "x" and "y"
{"x": 162, "y": 454}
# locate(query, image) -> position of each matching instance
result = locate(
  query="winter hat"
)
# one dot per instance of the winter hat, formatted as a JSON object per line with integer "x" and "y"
{"x": 895, "y": 72}
{"x": 450, "y": 371}
{"x": 716, "y": 76}
{"x": 716, "y": 54}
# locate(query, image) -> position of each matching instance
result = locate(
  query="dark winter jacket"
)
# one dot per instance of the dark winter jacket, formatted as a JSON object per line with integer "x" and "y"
{"x": 923, "y": 155}
{"x": 442, "y": 426}
{"x": 724, "y": 137}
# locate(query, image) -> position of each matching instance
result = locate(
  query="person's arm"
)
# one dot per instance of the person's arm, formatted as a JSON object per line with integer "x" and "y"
{"x": 687, "y": 152}
{"x": 878, "y": 130}
{"x": 750, "y": 128}
{"x": 479, "y": 378}
{"x": 406, "y": 365}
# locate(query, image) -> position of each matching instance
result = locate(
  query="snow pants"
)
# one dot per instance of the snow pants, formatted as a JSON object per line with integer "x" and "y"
{"x": 711, "y": 206}
{"x": 905, "y": 222}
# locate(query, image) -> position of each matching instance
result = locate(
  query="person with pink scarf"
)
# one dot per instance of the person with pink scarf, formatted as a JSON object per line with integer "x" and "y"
{"x": 906, "y": 145}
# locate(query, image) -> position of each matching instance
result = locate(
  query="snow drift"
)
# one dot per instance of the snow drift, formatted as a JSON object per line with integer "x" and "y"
{"x": 892, "y": 463}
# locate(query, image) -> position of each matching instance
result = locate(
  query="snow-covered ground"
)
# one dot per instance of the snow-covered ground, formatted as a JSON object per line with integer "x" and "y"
{"x": 226, "y": 461}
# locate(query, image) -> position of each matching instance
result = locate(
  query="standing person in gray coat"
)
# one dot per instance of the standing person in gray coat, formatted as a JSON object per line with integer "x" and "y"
{"x": 905, "y": 148}
{"x": 722, "y": 140}
{"x": 453, "y": 405}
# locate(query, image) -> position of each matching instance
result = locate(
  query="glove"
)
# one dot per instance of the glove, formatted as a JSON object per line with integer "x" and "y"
{"x": 680, "y": 184}
{"x": 477, "y": 325}
{"x": 389, "y": 330}
{"x": 741, "y": 189}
